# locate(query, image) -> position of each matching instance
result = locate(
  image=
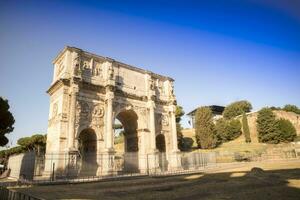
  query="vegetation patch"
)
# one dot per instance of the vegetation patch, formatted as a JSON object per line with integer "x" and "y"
{"x": 272, "y": 130}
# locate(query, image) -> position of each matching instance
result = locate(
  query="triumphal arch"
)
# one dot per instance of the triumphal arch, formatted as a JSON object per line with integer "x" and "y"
{"x": 87, "y": 94}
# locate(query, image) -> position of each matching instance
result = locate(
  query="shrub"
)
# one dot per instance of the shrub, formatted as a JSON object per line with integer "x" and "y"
{"x": 237, "y": 108}
{"x": 228, "y": 130}
{"x": 267, "y": 126}
{"x": 242, "y": 156}
{"x": 275, "y": 108}
{"x": 271, "y": 130}
{"x": 246, "y": 130}
{"x": 187, "y": 143}
{"x": 205, "y": 129}
{"x": 297, "y": 138}
{"x": 286, "y": 130}
{"x": 291, "y": 108}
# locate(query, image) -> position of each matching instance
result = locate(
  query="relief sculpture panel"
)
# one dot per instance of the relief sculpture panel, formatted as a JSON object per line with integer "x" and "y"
{"x": 89, "y": 115}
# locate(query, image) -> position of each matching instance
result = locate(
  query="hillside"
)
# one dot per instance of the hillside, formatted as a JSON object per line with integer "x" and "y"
{"x": 239, "y": 143}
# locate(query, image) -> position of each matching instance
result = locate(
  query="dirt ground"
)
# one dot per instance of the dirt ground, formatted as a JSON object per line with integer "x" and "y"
{"x": 266, "y": 180}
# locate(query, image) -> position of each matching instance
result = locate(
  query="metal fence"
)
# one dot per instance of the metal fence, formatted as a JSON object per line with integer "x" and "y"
{"x": 64, "y": 166}
{"x": 52, "y": 167}
{"x": 92, "y": 167}
{"x": 7, "y": 194}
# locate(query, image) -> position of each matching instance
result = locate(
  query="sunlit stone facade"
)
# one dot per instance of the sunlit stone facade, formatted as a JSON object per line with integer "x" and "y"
{"x": 89, "y": 91}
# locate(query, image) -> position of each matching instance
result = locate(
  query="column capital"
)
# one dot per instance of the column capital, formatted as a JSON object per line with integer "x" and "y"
{"x": 110, "y": 88}
{"x": 74, "y": 89}
{"x": 109, "y": 96}
{"x": 151, "y": 104}
{"x": 172, "y": 108}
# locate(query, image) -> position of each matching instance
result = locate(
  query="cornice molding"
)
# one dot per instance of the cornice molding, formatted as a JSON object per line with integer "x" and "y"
{"x": 111, "y": 60}
{"x": 58, "y": 84}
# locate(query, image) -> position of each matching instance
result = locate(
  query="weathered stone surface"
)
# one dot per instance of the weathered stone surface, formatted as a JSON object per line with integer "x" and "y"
{"x": 88, "y": 92}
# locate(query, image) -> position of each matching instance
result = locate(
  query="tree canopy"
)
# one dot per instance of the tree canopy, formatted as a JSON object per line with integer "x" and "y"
{"x": 228, "y": 130}
{"x": 205, "y": 129}
{"x": 267, "y": 126}
{"x": 36, "y": 142}
{"x": 178, "y": 114}
{"x": 117, "y": 126}
{"x": 237, "y": 108}
{"x": 246, "y": 129}
{"x": 6, "y": 121}
{"x": 291, "y": 108}
{"x": 287, "y": 130}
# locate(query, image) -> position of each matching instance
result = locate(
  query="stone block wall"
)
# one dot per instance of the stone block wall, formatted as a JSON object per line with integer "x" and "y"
{"x": 22, "y": 165}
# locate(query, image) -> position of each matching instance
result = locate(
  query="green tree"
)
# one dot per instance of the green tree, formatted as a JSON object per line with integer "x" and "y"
{"x": 178, "y": 114}
{"x": 237, "y": 108}
{"x": 6, "y": 121}
{"x": 246, "y": 130}
{"x": 291, "y": 108}
{"x": 117, "y": 126}
{"x": 36, "y": 142}
{"x": 205, "y": 129}
{"x": 287, "y": 130}
{"x": 26, "y": 143}
{"x": 267, "y": 126}
{"x": 39, "y": 143}
{"x": 228, "y": 130}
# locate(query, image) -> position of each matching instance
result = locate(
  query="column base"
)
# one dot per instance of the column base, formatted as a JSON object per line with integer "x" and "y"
{"x": 105, "y": 162}
{"x": 152, "y": 161}
{"x": 174, "y": 160}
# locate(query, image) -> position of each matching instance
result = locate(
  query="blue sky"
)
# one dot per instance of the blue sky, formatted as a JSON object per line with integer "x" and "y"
{"x": 218, "y": 51}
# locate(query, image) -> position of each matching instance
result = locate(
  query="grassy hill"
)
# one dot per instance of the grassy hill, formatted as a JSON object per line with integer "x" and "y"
{"x": 239, "y": 144}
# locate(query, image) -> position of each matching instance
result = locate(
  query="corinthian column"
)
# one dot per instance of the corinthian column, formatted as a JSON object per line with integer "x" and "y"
{"x": 72, "y": 113}
{"x": 173, "y": 128}
{"x": 107, "y": 157}
{"x": 152, "y": 125}
{"x": 108, "y": 121}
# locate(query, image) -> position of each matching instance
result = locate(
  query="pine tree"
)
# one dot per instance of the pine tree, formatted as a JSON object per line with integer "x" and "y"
{"x": 180, "y": 139}
{"x": 237, "y": 108}
{"x": 7, "y": 121}
{"x": 246, "y": 130}
{"x": 267, "y": 126}
{"x": 287, "y": 130}
{"x": 205, "y": 129}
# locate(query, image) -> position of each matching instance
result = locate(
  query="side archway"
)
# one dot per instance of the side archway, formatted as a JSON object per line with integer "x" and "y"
{"x": 87, "y": 146}
{"x": 160, "y": 143}
{"x": 161, "y": 147}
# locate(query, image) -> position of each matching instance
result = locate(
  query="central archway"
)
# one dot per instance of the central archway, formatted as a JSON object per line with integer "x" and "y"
{"x": 87, "y": 149}
{"x": 129, "y": 121}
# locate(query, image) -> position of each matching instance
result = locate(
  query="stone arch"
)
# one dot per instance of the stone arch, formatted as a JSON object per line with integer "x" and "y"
{"x": 161, "y": 147}
{"x": 160, "y": 143}
{"x": 96, "y": 130}
{"x": 87, "y": 147}
{"x": 129, "y": 120}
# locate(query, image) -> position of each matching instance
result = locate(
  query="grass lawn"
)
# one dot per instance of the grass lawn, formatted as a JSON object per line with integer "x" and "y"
{"x": 265, "y": 180}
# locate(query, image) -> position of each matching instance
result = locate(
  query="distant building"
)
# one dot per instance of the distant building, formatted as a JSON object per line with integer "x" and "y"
{"x": 216, "y": 110}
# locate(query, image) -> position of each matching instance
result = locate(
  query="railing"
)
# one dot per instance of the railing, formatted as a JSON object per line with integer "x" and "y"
{"x": 8, "y": 194}
{"x": 61, "y": 168}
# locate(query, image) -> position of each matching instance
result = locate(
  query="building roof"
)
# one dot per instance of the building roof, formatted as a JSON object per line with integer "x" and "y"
{"x": 214, "y": 108}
